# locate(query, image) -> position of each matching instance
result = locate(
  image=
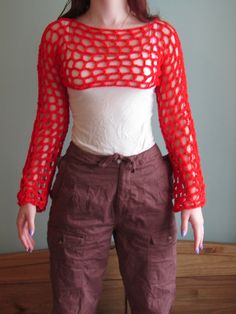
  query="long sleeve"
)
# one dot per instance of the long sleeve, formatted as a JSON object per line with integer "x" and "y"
{"x": 177, "y": 125}
{"x": 50, "y": 125}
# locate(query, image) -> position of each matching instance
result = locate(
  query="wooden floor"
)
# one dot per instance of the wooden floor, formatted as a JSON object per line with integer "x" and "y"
{"x": 206, "y": 283}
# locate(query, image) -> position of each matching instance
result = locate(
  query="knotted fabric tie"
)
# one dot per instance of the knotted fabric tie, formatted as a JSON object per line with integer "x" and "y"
{"x": 116, "y": 156}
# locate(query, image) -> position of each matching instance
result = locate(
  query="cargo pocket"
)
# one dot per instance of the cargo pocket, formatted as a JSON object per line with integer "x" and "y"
{"x": 66, "y": 257}
{"x": 162, "y": 239}
{"x": 64, "y": 243}
{"x": 162, "y": 257}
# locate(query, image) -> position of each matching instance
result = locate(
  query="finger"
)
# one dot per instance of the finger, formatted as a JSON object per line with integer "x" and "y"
{"x": 31, "y": 225}
{"x": 198, "y": 230}
{"x": 20, "y": 228}
{"x": 23, "y": 235}
{"x": 26, "y": 236}
{"x": 202, "y": 236}
{"x": 20, "y": 222}
{"x": 25, "y": 242}
{"x": 29, "y": 239}
{"x": 184, "y": 223}
{"x": 201, "y": 244}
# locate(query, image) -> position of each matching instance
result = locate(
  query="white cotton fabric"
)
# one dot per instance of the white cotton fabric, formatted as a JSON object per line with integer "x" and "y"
{"x": 112, "y": 119}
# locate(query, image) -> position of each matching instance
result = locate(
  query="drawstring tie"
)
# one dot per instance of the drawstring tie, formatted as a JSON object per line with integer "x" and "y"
{"x": 118, "y": 158}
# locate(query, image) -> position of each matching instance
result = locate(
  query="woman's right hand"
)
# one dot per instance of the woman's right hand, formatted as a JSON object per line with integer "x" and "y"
{"x": 25, "y": 223}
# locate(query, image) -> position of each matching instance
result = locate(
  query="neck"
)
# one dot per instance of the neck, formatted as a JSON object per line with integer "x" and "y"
{"x": 107, "y": 12}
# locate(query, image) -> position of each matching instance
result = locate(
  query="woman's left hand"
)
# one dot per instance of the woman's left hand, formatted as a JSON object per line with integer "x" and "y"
{"x": 196, "y": 219}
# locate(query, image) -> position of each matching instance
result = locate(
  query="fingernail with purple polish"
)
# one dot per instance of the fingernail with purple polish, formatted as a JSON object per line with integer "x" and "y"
{"x": 31, "y": 232}
{"x": 183, "y": 233}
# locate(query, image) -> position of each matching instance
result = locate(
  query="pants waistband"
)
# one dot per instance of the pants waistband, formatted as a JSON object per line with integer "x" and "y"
{"x": 133, "y": 161}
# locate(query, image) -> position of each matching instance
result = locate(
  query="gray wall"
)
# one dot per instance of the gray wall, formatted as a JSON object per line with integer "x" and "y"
{"x": 207, "y": 31}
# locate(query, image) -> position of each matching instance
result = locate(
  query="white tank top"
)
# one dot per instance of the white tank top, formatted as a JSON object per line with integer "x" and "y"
{"x": 112, "y": 119}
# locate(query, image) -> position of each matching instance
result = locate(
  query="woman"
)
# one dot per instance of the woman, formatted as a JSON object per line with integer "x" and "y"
{"x": 105, "y": 60}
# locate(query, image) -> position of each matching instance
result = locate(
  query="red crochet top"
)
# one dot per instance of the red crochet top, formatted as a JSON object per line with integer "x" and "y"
{"x": 73, "y": 54}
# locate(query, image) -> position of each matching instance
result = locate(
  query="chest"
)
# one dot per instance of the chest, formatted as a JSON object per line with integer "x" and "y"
{"x": 93, "y": 59}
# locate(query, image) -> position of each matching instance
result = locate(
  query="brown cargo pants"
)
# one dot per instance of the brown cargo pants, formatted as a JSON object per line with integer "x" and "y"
{"x": 95, "y": 196}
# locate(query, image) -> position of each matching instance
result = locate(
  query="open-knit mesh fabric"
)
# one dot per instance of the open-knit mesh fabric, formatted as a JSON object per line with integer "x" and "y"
{"x": 73, "y": 54}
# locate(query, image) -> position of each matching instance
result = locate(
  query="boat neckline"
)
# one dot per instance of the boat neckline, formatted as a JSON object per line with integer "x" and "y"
{"x": 110, "y": 29}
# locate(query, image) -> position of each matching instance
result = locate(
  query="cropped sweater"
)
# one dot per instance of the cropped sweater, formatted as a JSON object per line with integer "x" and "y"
{"x": 75, "y": 56}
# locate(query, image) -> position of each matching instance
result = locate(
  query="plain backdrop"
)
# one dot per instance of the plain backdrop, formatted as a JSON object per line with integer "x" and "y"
{"x": 207, "y": 32}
